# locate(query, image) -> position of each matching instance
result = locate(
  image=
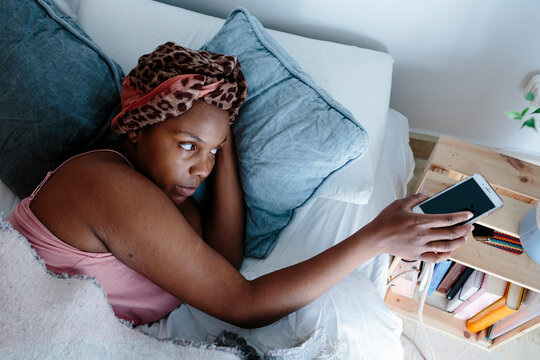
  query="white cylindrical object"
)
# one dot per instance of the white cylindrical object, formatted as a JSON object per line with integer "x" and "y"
{"x": 529, "y": 233}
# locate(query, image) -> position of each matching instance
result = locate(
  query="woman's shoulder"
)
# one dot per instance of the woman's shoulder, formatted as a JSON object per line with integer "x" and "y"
{"x": 102, "y": 175}
{"x": 96, "y": 166}
{"x": 89, "y": 182}
{"x": 91, "y": 192}
{"x": 94, "y": 159}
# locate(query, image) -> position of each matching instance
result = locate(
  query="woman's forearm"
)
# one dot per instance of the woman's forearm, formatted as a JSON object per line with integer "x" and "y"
{"x": 279, "y": 293}
{"x": 224, "y": 228}
{"x": 396, "y": 230}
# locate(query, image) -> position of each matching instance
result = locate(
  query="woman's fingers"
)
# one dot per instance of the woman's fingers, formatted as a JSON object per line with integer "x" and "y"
{"x": 413, "y": 200}
{"x": 431, "y": 237}
{"x": 450, "y": 233}
{"x": 443, "y": 246}
{"x": 435, "y": 220}
{"x": 446, "y": 220}
{"x": 435, "y": 257}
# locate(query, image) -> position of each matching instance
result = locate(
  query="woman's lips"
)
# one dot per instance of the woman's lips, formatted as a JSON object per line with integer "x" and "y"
{"x": 186, "y": 191}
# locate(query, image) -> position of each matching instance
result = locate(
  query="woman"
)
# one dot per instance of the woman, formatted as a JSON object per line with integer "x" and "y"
{"x": 125, "y": 215}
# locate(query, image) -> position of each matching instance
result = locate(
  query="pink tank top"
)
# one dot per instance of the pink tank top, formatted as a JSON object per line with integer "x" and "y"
{"x": 133, "y": 297}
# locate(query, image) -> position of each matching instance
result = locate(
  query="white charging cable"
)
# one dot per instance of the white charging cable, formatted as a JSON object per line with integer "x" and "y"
{"x": 423, "y": 287}
{"x": 422, "y": 301}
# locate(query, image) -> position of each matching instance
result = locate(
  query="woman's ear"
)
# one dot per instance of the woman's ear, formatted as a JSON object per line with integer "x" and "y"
{"x": 134, "y": 135}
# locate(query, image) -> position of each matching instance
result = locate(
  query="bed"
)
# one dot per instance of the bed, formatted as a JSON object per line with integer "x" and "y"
{"x": 351, "y": 321}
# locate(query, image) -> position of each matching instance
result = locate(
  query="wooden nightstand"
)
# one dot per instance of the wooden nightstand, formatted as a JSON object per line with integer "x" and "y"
{"x": 518, "y": 184}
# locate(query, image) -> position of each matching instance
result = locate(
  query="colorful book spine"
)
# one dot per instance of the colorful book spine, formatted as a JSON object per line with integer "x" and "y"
{"x": 497, "y": 239}
{"x": 439, "y": 271}
{"x": 472, "y": 285}
{"x": 453, "y": 274}
{"x": 504, "y": 242}
{"x": 454, "y": 289}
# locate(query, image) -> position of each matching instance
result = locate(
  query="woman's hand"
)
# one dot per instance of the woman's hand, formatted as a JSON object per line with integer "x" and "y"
{"x": 224, "y": 227}
{"x": 426, "y": 237}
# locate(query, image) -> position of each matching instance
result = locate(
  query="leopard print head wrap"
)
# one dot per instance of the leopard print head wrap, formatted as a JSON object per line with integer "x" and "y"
{"x": 166, "y": 82}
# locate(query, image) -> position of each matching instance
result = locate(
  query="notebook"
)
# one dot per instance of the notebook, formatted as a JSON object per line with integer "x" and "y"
{"x": 472, "y": 285}
{"x": 491, "y": 290}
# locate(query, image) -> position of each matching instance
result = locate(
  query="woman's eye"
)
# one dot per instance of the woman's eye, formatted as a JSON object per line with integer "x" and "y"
{"x": 187, "y": 147}
{"x": 214, "y": 151}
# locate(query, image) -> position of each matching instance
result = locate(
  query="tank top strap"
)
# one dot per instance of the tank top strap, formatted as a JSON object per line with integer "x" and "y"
{"x": 50, "y": 173}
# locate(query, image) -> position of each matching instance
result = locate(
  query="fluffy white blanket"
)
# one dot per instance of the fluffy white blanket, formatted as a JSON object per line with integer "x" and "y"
{"x": 44, "y": 316}
{"x": 49, "y": 316}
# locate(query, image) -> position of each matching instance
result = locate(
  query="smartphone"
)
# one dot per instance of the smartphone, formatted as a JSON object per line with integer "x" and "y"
{"x": 472, "y": 194}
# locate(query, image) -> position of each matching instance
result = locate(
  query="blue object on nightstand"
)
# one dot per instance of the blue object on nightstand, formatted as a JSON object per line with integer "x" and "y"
{"x": 439, "y": 271}
{"x": 529, "y": 233}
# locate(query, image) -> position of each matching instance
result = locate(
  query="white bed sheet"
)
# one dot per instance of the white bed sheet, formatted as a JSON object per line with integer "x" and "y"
{"x": 356, "y": 321}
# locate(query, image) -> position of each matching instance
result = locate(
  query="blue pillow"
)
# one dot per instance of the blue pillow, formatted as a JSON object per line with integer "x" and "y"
{"x": 59, "y": 91}
{"x": 290, "y": 134}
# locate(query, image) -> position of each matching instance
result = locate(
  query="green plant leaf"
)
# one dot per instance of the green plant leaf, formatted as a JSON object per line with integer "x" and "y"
{"x": 537, "y": 111}
{"x": 529, "y": 123}
{"x": 524, "y": 111}
{"x": 513, "y": 115}
{"x": 529, "y": 96}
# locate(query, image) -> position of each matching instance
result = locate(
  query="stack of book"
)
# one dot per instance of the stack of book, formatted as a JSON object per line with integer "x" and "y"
{"x": 483, "y": 300}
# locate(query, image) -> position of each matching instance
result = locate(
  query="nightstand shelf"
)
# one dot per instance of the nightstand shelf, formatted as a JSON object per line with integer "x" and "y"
{"x": 518, "y": 184}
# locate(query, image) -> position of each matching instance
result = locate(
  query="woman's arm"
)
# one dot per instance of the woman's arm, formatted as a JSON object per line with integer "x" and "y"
{"x": 224, "y": 227}
{"x": 148, "y": 234}
{"x": 397, "y": 230}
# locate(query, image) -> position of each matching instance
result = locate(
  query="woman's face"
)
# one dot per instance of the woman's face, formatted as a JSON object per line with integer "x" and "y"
{"x": 179, "y": 153}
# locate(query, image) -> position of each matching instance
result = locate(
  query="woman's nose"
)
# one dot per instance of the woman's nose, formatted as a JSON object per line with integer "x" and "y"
{"x": 202, "y": 168}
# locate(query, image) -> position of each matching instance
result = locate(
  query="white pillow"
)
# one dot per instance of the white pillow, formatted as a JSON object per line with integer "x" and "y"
{"x": 358, "y": 78}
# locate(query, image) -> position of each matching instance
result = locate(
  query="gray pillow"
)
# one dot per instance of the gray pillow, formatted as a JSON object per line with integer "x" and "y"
{"x": 59, "y": 91}
{"x": 290, "y": 134}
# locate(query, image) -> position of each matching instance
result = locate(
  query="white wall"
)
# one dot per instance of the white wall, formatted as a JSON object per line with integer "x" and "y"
{"x": 459, "y": 64}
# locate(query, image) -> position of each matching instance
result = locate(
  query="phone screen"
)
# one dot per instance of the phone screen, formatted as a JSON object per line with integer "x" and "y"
{"x": 468, "y": 196}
